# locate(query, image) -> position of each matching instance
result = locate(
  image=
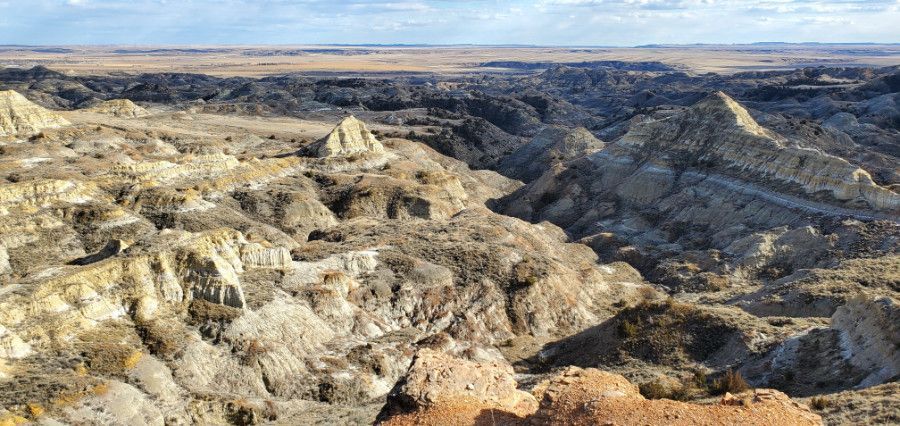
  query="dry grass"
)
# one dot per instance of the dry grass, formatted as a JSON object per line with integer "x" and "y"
{"x": 731, "y": 382}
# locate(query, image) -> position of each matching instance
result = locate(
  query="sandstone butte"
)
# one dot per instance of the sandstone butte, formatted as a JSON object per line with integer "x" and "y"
{"x": 441, "y": 390}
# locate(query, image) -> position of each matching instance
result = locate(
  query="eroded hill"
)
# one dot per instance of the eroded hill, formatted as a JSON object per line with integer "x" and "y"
{"x": 180, "y": 249}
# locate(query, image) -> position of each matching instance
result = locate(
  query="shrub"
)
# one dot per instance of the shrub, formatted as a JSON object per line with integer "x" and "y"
{"x": 731, "y": 382}
{"x": 654, "y": 390}
{"x": 819, "y": 403}
{"x": 658, "y": 389}
{"x": 647, "y": 293}
{"x": 699, "y": 381}
{"x": 627, "y": 329}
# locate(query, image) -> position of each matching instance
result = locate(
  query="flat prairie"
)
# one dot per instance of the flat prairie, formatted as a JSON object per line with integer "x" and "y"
{"x": 270, "y": 60}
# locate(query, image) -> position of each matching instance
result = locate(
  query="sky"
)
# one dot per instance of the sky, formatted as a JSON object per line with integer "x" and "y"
{"x": 538, "y": 22}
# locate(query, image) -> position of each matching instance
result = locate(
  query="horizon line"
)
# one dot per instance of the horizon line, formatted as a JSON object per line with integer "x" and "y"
{"x": 501, "y": 45}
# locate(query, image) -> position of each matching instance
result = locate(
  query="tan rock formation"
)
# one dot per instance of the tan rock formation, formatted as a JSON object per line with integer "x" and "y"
{"x": 228, "y": 271}
{"x": 177, "y": 268}
{"x": 123, "y": 108}
{"x": 436, "y": 380}
{"x": 43, "y": 193}
{"x": 21, "y": 117}
{"x": 576, "y": 396}
{"x": 350, "y": 136}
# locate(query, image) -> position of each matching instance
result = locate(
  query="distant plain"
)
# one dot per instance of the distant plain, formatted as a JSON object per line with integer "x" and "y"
{"x": 271, "y": 60}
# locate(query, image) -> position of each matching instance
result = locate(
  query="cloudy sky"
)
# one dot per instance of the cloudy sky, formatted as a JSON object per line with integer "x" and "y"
{"x": 545, "y": 22}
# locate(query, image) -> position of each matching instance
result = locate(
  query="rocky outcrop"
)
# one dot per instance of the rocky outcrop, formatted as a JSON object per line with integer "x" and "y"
{"x": 551, "y": 146}
{"x": 574, "y": 396}
{"x": 44, "y": 193}
{"x": 514, "y": 281}
{"x": 436, "y": 380}
{"x": 870, "y": 337}
{"x": 350, "y": 136}
{"x": 21, "y": 117}
{"x": 589, "y": 396}
{"x": 122, "y": 108}
{"x": 857, "y": 350}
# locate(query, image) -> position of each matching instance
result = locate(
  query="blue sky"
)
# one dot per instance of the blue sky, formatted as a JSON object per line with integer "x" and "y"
{"x": 546, "y": 22}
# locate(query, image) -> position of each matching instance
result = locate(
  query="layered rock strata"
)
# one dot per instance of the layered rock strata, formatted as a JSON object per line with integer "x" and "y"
{"x": 21, "y": 117}
{"x": 350, "y": 136}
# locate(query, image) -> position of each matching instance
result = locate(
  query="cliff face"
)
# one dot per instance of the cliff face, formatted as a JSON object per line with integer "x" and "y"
{"x": 21, "y": 117}
{"x": 870, "y": 332}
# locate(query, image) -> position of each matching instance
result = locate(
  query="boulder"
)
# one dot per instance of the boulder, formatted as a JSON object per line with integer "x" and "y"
{"x": 438, "y": 384}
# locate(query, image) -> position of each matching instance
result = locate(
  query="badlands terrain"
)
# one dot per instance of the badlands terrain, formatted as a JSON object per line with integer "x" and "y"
{"x": 603, "y": 242}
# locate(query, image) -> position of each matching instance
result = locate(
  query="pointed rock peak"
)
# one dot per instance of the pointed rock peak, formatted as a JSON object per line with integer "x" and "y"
{"x": 119, "y": 108}
{"x": 720, "y": 106}
{"x": 350, "y": 136}
{"x": 21, "y": 117}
